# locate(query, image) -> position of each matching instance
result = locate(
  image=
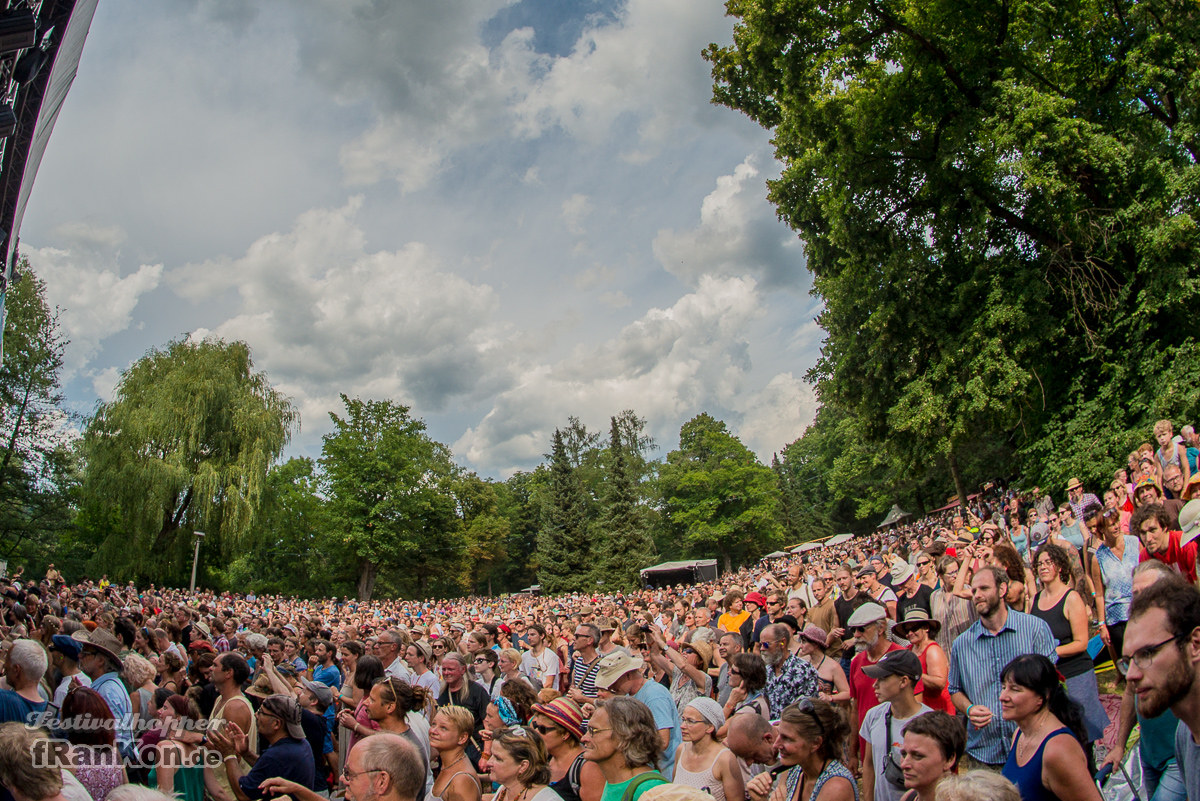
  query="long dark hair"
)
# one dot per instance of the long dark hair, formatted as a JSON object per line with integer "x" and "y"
{"x": 1038, "y": 674}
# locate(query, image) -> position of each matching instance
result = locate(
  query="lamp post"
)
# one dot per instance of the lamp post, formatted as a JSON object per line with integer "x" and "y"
{"x": 195, "y": 559}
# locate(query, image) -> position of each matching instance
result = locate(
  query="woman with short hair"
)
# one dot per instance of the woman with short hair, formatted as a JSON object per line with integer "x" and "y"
{"x": 933, "y": 745}
{"x": 449, "y": 734}
{"x": 622, "y": 739}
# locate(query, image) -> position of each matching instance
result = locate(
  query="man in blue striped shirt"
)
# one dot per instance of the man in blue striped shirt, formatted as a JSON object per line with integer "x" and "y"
{"x": 978, "y": 656}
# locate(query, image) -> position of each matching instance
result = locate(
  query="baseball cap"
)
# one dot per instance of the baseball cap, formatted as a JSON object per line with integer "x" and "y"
{"x": 320, "y": 691}
{"x": 895, "y": 663}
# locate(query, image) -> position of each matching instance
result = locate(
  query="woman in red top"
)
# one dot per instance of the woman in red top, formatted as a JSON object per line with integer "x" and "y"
{"x": 919, "y": 629}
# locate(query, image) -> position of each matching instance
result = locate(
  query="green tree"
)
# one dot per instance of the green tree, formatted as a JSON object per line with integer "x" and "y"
{"x": 184, "y": 446}
{"x": 717, "y": 495}
{"x": 520, "y": 500}
{"x": 36, "y": 467}
{"x": 622, "y": 537}
{"x": 387, "y": 488}
{"x": 564, "y": 550}
{"x": 484, "y": 529}
{"x": 999, "y": 205}
{"x": 293, "y": 549}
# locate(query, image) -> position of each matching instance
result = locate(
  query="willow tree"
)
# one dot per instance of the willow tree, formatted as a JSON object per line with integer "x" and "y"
{"x": 184, "y": 446}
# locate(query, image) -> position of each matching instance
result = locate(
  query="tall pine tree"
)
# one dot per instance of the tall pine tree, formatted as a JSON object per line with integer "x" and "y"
{"x": 564, "y": 553}
{"x": 624, "y": 538}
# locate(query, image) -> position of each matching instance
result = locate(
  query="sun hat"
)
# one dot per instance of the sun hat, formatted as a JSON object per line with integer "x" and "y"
{"x": 913, "y": 618}
{"x": 757, "y": 599}
{"x": 103, "y": 641}
{"x": 703, "y": 649}
{"x": 614, "y": 666}
{"x": 901, "y": 572}
{"x": 1074, "y": 484}
{"x": 1189, "y": 517}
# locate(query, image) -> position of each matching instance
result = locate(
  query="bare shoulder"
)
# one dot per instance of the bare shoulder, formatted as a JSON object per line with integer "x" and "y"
{"x": 836, "y": 788}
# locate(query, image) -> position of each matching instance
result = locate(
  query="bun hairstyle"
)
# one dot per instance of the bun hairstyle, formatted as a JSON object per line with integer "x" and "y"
{"x": 407, "y": 697}
{"x": 1039, "y": 675}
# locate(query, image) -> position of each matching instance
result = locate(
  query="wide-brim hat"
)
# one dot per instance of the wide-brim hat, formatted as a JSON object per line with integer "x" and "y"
{"x": 914, "y": 618}
{"x": 614, "y": 666}
{"x": 1189, "y": 521}
{"x": 702, "y": 648}
{"x": 102, "y": 640}
{"x": 901, "y": 572}
{"x": 1074, "y": 484}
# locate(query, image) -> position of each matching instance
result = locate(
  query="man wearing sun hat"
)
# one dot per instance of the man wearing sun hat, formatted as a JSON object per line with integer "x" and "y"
{"x": 621, "y": 674}
{"x": 100, "y": 659}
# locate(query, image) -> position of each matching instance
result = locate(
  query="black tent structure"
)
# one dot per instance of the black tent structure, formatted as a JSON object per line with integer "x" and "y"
{"x": 691, "y": 571}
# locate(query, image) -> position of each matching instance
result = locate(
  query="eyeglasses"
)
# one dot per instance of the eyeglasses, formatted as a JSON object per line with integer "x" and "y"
{"x": 1142, "y": 657}
{"x": 692, "y": 721}
{"x": 351, "y": 776}
{"x": 596, "y": 730}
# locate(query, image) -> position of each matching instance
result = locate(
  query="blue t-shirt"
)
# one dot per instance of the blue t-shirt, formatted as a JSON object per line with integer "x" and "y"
{"x": 666, "y": 716}
{"x": 288, "y": 758}
{"x": 16, "y": 708}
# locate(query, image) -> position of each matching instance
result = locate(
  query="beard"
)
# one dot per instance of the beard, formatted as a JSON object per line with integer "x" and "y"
{"x": 1176, "y": 685}
{"x": 773, "y": 657}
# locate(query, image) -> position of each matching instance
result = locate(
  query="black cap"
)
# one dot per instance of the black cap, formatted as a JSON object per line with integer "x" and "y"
{"x": 895, "y": 663}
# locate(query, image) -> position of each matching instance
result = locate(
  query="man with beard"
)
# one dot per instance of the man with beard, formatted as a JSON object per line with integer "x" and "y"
{"x": 1160, "y": 657}
{"x": 789, "y": 678}
{"x": 977, "y": 655}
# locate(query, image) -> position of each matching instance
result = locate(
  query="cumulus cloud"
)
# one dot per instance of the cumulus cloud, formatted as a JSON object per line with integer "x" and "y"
{"x": 738, "y": 234}
{"x": 575, "y": 210}
{"x": 777, "y": 415}
{"x": 668, "y": 365}
{"x": 96, "y": 300}
{"x": 325, "y": 314}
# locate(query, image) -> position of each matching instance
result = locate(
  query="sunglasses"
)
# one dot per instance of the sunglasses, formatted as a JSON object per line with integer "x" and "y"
{"x": 543, "y": 730}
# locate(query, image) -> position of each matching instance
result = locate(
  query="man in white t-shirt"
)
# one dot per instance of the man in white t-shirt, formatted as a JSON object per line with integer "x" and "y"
{"x": 539, "y": 663}
{"x": 896, "y": 675}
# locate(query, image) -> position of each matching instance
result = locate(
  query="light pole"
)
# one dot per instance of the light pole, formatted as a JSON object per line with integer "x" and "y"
{"x": 196, "y": 558}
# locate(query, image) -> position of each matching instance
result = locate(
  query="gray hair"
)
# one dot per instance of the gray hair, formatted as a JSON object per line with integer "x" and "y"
{"x": 633, "y": 726}
{"x": 256, "y": 642}
{"x": 977, "y": 784}
{"x": 30, "y": 656}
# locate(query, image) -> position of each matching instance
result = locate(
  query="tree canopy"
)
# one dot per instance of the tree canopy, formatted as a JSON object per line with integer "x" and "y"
{"x": 999, "y": 208}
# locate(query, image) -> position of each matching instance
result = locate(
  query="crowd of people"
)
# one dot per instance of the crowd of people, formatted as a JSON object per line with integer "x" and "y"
{"x": 946, "y": 658}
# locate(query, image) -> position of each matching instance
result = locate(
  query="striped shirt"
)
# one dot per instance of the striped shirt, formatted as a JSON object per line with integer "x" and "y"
{"x": 976, "y": 661}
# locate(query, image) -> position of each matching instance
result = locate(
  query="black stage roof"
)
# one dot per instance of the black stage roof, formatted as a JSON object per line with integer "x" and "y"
{"x": 40, "y": 45}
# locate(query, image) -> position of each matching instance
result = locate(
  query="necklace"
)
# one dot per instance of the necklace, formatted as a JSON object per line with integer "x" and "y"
{"x": 461, "y": 757}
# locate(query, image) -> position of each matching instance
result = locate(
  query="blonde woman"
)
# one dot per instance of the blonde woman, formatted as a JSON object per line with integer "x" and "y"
{"x": 448, "y": 735}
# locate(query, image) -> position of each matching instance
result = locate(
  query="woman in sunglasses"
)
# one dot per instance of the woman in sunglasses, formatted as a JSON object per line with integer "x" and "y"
{"x": 809, "y": 739}
{"x": 560, "y": 723}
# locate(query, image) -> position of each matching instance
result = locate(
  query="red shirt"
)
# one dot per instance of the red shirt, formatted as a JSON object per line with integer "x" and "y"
{"x": 862, "y": 686}
{"x": 1181, "y": 557}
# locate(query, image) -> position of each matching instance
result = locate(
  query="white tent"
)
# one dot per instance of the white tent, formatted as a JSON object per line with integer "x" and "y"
{"x": 808, "y": 546}
{"x": 775, "y": 554}
{"x": 839, "y": 539}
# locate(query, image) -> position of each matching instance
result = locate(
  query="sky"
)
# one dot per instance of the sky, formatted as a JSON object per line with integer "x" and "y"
{"x": 501, "y": 213}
